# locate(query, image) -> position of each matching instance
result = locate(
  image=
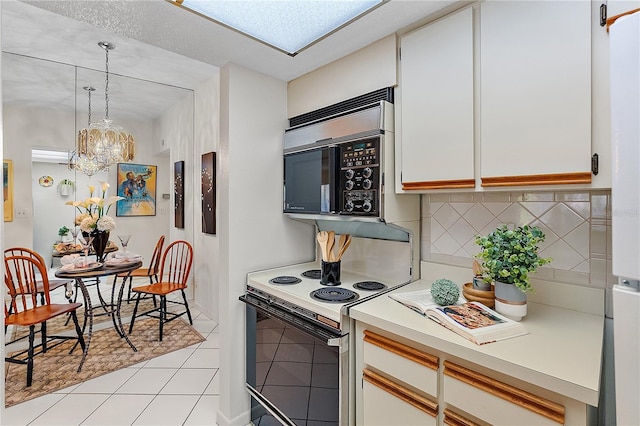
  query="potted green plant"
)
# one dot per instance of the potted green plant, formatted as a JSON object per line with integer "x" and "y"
{"x": 62, "y": 232}
{"x": 508, "y": 256}
{"x": 66, "y": 187}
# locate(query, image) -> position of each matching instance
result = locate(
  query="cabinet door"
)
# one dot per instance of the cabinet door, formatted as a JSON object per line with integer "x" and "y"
{"x": 535, "y": 97}
{"x": 388, "y": 403}
{"x": 436, "y": 71}
{"x": 496, "y": 402}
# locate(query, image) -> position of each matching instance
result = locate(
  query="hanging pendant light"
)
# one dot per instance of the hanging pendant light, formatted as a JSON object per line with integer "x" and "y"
{"x": 84, "y": 158}
{"x": 103, "y": 143}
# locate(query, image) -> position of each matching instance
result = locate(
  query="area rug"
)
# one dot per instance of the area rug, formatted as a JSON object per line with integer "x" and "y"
{"x": 56, "y": 369}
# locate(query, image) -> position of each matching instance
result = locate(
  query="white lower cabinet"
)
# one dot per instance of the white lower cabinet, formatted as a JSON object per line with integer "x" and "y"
{"x": 407, "y": 383}
{"x": 390, "y": 403}
{"x": 495, "y": 402}
{"x": 399, "y": 383}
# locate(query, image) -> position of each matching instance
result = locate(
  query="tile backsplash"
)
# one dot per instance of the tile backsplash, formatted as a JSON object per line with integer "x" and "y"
{"x": 577, "y": 226}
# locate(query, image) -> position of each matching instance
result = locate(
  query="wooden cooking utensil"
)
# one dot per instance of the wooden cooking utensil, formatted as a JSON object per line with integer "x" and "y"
{"x": 331, "y": 241}
{"x": 477, "y": 269}
{"x": 323, "y": 237}
{"x": 344, "y": 244}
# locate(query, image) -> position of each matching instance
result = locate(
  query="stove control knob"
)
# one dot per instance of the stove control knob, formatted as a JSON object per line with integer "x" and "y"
{"x": 348, "y": 206}
{"x": 366, "y": 184}
{"x": 348, "y": 185}
{"x": 366, "y": 206}
{"x": 349, "y": 174}
{"x": 367, "y": 172}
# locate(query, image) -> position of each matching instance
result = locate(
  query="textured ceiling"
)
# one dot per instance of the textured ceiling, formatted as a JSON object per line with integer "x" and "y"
{"x": 162, "y": 49}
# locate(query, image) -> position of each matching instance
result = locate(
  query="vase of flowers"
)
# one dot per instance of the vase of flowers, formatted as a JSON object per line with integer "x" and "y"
{"x": 94, "y": 220}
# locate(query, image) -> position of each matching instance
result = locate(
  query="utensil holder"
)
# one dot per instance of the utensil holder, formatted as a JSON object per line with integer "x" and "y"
{"x": 330, "y": 273}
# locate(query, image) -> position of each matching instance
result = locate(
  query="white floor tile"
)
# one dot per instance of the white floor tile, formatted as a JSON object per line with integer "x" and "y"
{"x": 168, "y": 410}
{"x": 214, "y": 385}
{"x": 22, "y": 414}
{"x": 212, "y": 342}
{"x": 204, "y": 325}
{"x": 147, "y": 381}
{"x": 204, "y": 358}
{"x": 71, "y": 410}
{"x": 189, "y": 382}
{"x": 119, "y": 410}
{"x": 205, "y": 411}
{"x": 108, "y": 383}
{"x": 175, "y": 359}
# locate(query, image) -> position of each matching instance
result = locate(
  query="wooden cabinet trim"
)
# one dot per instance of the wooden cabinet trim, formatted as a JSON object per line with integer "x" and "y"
{"x": 524, "y": 399}
{"x": 548, "y": 179}
{"x": 451, "y": 418}
{"x": 613, "y": 19}
{"x": 400, "y": 392}
{"x": 415, "y": 355}
{"x": 439, "y": 184}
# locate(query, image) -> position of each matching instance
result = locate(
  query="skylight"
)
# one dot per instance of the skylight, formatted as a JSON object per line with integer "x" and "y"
{"x": 288, "y": 25}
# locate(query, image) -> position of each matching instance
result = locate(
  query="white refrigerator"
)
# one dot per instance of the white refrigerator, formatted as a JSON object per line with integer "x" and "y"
{"x": 624, "y": 43}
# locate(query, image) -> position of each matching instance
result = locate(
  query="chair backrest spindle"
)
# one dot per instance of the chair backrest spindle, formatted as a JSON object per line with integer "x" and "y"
{"x": 22, "y": 274}
{"x": 176, "y": 262}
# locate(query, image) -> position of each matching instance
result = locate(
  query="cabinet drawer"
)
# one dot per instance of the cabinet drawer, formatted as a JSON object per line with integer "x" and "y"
{"x": 412, "y": 366}
{"x": 451, "y": 418}
{"x": 389, "y": 403}
{"x": 496, "y": 402}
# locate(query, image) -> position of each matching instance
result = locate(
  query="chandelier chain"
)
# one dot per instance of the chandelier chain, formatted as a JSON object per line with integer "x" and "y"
{"x": 106, "y": 85}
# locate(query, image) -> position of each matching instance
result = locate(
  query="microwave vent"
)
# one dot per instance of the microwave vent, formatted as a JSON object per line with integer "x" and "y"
{"x": 343, "y": 107}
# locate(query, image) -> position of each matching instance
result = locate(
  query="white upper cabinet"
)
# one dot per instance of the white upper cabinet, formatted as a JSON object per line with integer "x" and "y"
{"x": 535, "y": 92}
{"x": 436, "y": 80}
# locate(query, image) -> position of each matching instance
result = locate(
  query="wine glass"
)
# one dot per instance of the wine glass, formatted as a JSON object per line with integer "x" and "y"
{"x": 74, "y": 233}
{"x": 124, "y": 240}
{"x": 85, "y": 247}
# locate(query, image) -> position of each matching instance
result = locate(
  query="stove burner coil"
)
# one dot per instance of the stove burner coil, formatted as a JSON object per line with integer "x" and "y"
{"x": 334, "y": 295}
{"x": 285, "y": 280}
{"x": 369, "y": 285}
{"x": 314, "y": 274}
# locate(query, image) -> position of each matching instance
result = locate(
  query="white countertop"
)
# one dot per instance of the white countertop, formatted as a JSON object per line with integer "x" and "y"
{"x": 562, "y": 351}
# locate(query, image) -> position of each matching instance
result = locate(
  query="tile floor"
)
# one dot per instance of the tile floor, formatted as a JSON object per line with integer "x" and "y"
{"x": 179, "y": 388}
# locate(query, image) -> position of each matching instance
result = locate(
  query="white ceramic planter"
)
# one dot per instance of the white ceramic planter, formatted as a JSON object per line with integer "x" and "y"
{"x": 510, "y": 301}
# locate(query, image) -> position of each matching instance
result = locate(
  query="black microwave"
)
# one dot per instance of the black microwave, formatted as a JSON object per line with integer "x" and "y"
{"x": 341, "y": 178}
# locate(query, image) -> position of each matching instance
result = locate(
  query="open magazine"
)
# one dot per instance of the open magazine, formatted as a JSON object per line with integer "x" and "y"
{"x": 471, "y": 320}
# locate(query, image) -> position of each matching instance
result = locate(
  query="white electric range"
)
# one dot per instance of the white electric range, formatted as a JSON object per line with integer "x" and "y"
{"x": 298, "y": 290}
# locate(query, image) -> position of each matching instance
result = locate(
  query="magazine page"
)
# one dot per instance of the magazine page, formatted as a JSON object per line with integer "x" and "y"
{"x": 420, "y": 300}
{"x": 476, "y": 322}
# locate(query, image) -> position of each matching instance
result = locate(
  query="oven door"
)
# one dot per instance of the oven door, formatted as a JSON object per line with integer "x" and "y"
{"x": 311, "y": 181}
{"x": 295, "y": 369}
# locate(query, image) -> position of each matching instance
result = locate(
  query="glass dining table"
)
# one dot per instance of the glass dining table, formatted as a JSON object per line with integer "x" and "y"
{"x": 110, "y": 307}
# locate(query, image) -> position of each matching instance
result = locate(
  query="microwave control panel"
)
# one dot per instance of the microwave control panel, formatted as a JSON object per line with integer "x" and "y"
{"x": 360, "y": 176}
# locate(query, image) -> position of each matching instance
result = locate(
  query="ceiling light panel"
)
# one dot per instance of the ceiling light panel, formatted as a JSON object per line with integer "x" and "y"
{"x": 288, "y": 25}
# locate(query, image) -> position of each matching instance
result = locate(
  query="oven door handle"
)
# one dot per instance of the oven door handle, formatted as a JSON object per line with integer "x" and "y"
{"x": 295, "y": 321}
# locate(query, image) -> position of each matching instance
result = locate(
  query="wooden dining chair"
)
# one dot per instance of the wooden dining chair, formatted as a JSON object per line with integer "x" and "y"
{"x": 22, "y": 274}
{"x": 150, "y": 271}
{"x": 53, "y": 283}
{"x": 174, "y": 274}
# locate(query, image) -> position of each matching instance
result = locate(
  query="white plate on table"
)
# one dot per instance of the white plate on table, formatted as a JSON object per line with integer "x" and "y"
{"x": 91, "y": 266}
{"x": 114, "y": 264}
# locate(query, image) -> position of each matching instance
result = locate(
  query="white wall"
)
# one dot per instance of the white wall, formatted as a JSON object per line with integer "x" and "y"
{"x": 253, "y": 232}
{"x": 368, "y": 69}
{"x": 206, "y": 265}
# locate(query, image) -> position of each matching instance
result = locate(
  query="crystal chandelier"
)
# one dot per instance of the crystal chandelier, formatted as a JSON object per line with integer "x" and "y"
{"x": 103, "y": 143}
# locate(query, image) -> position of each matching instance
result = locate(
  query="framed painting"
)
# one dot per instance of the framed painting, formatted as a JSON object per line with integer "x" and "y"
{"x": 178, "y": 193}
{"x": 137, "y": 184}
{"x": 208, "y": 178}
{"x": 7, "y": 189}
